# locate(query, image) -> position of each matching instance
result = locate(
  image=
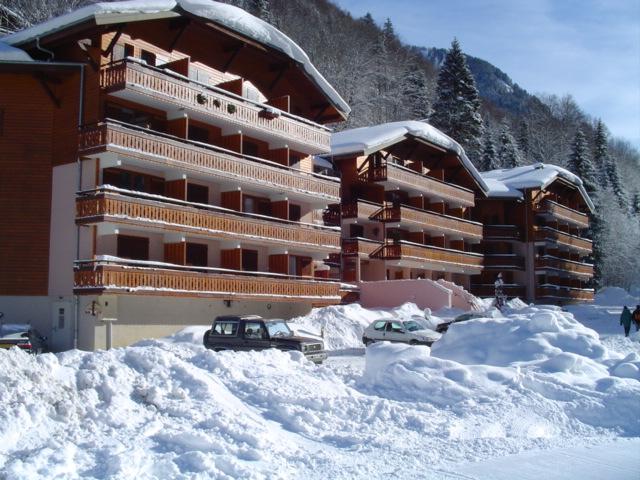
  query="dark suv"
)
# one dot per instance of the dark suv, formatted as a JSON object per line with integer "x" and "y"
{"x": 255, "y": 333}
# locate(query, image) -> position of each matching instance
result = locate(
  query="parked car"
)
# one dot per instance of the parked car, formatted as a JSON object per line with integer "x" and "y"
{"x": 255, "y": 333}
{"x": 22, "y": 336}
{"x": 404, "y": 331}
{"x": 444, "y": 326}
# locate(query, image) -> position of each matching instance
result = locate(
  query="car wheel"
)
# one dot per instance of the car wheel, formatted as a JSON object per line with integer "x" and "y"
{"x": 366, "y": 342}
{"x": 219, "y": 349}
{"x": 413, "y": 342}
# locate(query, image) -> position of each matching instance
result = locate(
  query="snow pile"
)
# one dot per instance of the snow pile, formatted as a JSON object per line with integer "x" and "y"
{"x": 343, "y": 325}
{"x": 534, "y": 379}
{"x": 12, "y": 54}
{"x": 616, "y": 296}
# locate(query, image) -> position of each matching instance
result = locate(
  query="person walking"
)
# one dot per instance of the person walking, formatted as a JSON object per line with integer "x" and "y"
{"x": 500, "y": 298}
{"x": 625, "y": 320}
{"x": 636, "y": 317}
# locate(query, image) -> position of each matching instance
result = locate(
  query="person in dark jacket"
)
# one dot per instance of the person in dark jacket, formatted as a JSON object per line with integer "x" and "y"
{"x": 625, "y": 320}
{"x": 636, "y": 317}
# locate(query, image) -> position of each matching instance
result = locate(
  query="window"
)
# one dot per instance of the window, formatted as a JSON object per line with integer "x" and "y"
{"x": 254, "y": 330}
{"x": 61, "y": 318}
{"x": 135, "y": 248}
{"x": 380, "y": 326}
{"x": 197, "y": 193}
{"x": 198, "y": 134}
{"x": 250, "y": 260}
{"x": 148, "y": 57}
{"x": 356, "y": 231}
{"x": 295, "y": 212}
{"x": 197, "y": 254}
{"x": 228, "y": 329}
{"x": 129, "y": 50}
{"x": 117, "y": 53}
{"x": 394, "y": 327}
{"x": 261, "y": 206}
{"x": 250, "y": 148}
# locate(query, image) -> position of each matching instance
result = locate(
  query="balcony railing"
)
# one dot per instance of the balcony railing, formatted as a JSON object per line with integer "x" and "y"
{"x": 95, "y": 277}
{"x": 176, "y": 91}
{"x": 431, "y": 221}
{"x": 503, "y": 261}
{"x": 359, "y": 209}
{"x": 501, "y": 233}
{"x": 408, "y": 179}
{"x": 563, "y": 213}
{"x": 103, "y": 205}
{"x": 562, "y": 293}
{"x": 166, "y": 150}
{"x": 428, "y": 253}
{"x": 546, "y": 234}
{"x": 489, "y": 290}
{"x": 359, "y": 246}
{"x": 568, "y": 266}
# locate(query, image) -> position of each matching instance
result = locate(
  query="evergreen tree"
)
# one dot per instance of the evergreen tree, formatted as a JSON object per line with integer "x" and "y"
{"x": 415, "y": 92}
{"x": 635, "y": 205}
{"x": 262, "y": 10}
{"x": 368, "y": 20}
{"x": 613, "y": 178}
{"x": 508, "y": 152}
{"x": 580, "y": 163}
{"x": 523, "y": 139}
{"x": 456, "y": 110}
{"x": 489, "y": 156}
{"x": 601, "y": 153}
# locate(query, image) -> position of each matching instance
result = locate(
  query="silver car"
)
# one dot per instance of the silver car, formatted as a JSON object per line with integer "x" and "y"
{"x": 403, "y": 331}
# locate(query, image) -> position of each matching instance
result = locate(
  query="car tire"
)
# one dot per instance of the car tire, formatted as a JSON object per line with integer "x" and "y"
{"x": 205, "y": 337}
{"x": 366, "y": 342}
{"x": 413, "y": 342}
{"x": 219, "y": 349}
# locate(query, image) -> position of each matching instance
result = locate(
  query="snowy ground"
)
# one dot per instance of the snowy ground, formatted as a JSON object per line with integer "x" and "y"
{"x": 532, "y": 394}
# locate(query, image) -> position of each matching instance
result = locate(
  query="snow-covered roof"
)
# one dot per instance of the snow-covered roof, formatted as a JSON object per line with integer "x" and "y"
{"x": 509, "y": 182}
{"x": 228, "y": 16}
{"x": 367, "y": 140}
{"x": 13, "y": 54}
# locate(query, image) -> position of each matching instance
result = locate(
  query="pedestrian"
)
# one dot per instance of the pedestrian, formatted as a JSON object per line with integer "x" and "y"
{"x": 625, "y": 320}
{"x": 636, "y": 317}
{"x": 500, "y": 298}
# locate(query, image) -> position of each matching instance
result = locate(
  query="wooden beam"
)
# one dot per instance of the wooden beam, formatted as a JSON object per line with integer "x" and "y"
{"x": 185, "y": 23}
{"x": 232, "y": 58}
{"x": 114, "y": 40}
{"x": 321, "y": 112}
{"x": 279, "y": 76}
{"x": 42, "y": 80}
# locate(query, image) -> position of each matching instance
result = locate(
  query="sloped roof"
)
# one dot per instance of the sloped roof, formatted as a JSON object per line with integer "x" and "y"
{"x": 231, "y": 17}
{"x": 510, "y": 182}
{"x": 366, "y": 140}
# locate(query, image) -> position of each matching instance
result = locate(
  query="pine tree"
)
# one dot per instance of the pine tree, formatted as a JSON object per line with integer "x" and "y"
{"x": 580, "y": 163}
{"x": 456, "y": 110}
{"x": 508, "y": 152}
{"x": 523, "y": 139}
{"x": 613, "y": 178}
{"x": 368, "y": 20}
{"x": 635, "y": 205}
{"x": 601, "y": 153}
{"x": 415, "y": 92}
{"x": 262, "y": 10}
{"x": 489, "y": 156}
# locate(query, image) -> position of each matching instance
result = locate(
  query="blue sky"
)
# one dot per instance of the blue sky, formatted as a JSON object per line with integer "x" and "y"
{"x": 588, "y": 48}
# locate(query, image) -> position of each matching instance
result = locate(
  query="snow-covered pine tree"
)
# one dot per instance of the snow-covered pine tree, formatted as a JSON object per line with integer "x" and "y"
{"x": 489, "y": 159}
{"x": 522, "y": 138}
{"x": 580, "y": 163}
{"x": 508, "y": 152}
{"x": 613, "y": 178}
{"x": 456, "y": 110}
{"x": 601, "y": 153}
{"x": 415, "y": 92}
{"x": 635, "y": 205}
{"x": 262, "y": 10}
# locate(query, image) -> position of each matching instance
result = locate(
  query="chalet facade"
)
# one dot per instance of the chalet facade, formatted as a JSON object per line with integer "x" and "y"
{"x": 161, "y": 173}
{"x": 407, "y": 195}
{"x": 534, "y": 220}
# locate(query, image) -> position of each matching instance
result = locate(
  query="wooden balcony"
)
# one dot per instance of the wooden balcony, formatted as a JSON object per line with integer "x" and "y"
{"x": 331, "y": 215}
{"x": 105, "y": 206}
{"x": 564, "y": 294}
{"x": 501, "y": 233}
{"x": 168, "y": 91}
{"x": 360, "y": 209}
{"x": 167, "y": 151}
{"x": 562, "y": 213}
{"x": 414, "y": 255}
{"x": 566, "y": 266}
{"x": 407, "y": 179}
{"x": 489, "y": 290}
{"x": 359, "y": 246}
{"x": 431, "y": 221}
{"x": 556, "y": 237}
{"x": 506, "y": 261}
{"x": 128, "y": 278}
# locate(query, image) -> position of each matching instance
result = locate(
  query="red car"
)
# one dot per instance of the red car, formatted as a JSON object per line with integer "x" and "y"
{"x": 22, "y": 336}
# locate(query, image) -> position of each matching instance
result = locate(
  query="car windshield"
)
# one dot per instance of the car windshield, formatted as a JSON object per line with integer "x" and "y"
{"x": 278, "y": 328}
{"x": 412, "y": 326}
{"x": 13, "y": 328}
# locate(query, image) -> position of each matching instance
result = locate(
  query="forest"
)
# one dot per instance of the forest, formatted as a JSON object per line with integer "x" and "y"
{"x": 384, "y": 80}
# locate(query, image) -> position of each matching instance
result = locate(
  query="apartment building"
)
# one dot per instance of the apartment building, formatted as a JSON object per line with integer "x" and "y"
{"x": 407, "y": 195}
{"x": 535, "y": 220}
{"x": 161, "y": 172}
